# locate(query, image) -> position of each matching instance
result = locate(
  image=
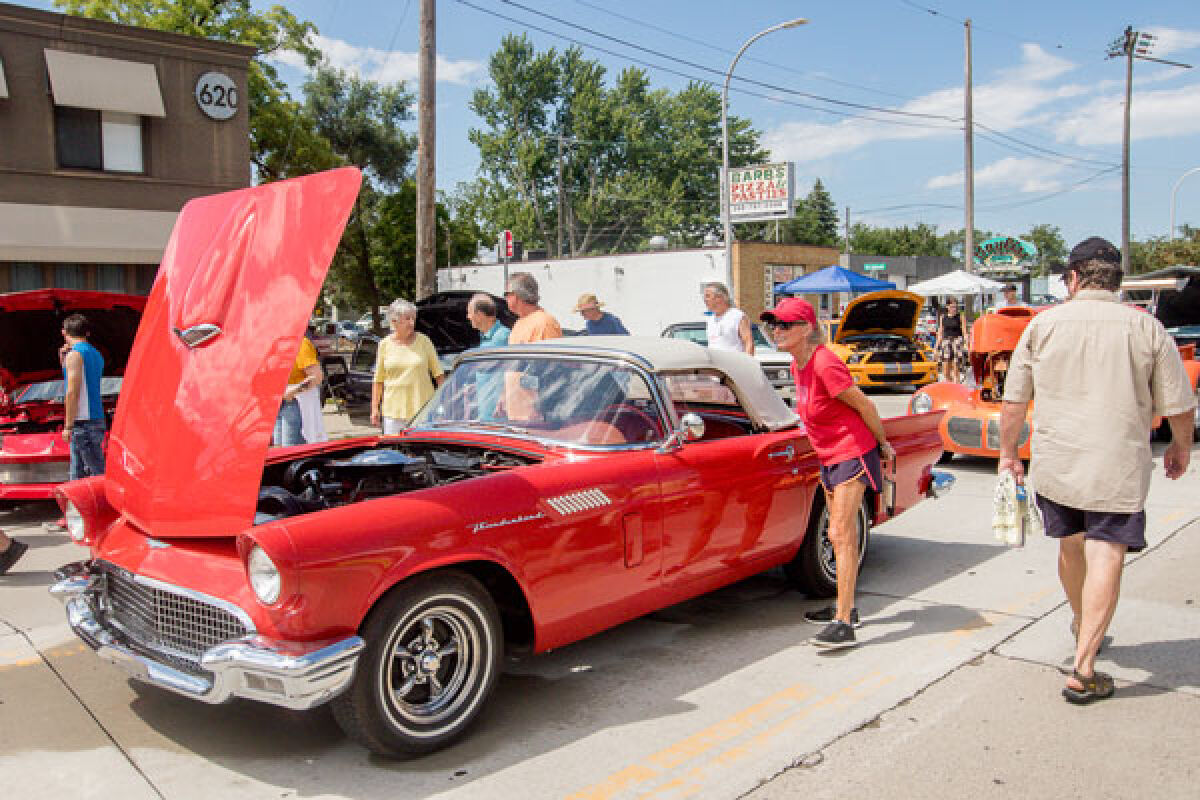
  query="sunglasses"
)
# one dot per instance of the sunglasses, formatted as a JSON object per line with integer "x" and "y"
{"x": 783, "y": 326}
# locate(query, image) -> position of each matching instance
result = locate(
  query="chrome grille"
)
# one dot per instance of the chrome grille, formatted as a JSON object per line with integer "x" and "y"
{"x": 172, "y": 623}
{"x": 35, "y": 472}
{"x": 965, "y": 432}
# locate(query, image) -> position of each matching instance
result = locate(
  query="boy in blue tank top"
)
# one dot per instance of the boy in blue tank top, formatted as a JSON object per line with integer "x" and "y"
{"x": 83, "y": 422}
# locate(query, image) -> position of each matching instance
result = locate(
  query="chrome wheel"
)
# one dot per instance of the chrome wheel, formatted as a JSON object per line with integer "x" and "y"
{"x": 434, "y": 645}
{"x": 434, "y": 659}
{"x": 825, "y": 554}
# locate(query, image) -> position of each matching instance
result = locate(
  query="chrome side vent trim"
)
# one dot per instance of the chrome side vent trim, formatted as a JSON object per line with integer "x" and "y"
{"x": 577, "y": 502}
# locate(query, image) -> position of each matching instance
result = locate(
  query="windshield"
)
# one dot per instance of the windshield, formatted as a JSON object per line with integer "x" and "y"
{"x": 572, "y": 401}
{"x": 53, "y": 391}
{"x": 699, "y": 335}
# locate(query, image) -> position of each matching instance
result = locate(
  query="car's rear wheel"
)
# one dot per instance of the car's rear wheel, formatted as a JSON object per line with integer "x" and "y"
{"x": 814, "y": 568}
{"x": 432, "y": 656}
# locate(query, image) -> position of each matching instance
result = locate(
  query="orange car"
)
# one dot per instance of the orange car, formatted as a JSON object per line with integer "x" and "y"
{"x": 972, "y": 421}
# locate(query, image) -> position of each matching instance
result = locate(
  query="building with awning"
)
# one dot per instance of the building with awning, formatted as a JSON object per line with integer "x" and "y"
{"x": 107, "y": 131}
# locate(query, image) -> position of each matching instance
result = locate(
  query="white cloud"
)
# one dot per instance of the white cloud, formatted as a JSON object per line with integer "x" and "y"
{"x": 1022, "y": 174}
{"x": 1172, "y": 40}
{"x": 383, "y": 66}
{"x": 1018, "y": 98}
{"x": 1156, "y": 114}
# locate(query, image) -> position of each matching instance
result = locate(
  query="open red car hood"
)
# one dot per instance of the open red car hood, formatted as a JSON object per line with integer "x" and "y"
{"x": 31, "y": 331}
{"x": 237, "y": 284}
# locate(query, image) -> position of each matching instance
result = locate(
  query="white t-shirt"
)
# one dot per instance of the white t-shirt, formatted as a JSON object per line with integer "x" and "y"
{"x": 723, "y": 330}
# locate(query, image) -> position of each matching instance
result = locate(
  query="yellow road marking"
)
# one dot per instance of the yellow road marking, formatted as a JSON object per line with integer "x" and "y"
{"x": 788, "y": 701}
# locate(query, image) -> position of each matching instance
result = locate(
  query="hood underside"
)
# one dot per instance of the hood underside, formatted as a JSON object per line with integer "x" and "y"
{"x": 214, "y": 351}
{"x": 31, "y": 331}
{"x": 443, "y": 318}
{"x": 889, "y": 311}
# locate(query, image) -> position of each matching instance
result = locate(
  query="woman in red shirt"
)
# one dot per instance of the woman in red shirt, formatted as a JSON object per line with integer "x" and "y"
{"x": 848, "y": 437}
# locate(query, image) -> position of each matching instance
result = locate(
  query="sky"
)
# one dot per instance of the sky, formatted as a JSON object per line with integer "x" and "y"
{"x": 1048, "y": 104}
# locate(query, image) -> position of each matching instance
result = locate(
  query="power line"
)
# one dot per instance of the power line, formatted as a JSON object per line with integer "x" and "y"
{"x": 813, "y": 75}
{"x": 714, "y": 70}
{"x": 975, "y": 26}
{"x": 702, "y": 81}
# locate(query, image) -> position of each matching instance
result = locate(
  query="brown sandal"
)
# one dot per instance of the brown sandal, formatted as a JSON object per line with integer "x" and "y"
{"x": 1096, "y": 686}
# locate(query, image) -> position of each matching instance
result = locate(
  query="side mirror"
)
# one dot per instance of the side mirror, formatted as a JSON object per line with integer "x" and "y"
{"x": 691, "y": 428}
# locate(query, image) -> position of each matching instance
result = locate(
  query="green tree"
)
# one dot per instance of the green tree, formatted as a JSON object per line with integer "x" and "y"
{"x": 1158, "y": 252}
{"x": 279, "y": 146}
{"x": 919, "y": 240}
{"x": 609, "y": 166}
{"x": 361, "y": 122}
{"x": 1049, "y": 243}
{"x": 816, "y": 220}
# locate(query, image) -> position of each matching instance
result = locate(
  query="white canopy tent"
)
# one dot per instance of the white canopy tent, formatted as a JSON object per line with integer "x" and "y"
{"x": 958, "y": 282}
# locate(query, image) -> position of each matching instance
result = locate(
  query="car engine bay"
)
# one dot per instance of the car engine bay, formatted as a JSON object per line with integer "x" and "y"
{"x": 885, "y": 348}
{"x": 313, "y": 483}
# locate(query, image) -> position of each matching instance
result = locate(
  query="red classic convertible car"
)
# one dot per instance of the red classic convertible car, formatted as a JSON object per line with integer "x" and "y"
{"x": 33, "y": 456}
{"x": 546, "y": 492}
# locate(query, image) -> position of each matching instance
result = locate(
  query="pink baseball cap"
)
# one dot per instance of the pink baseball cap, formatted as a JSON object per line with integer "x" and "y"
{"x": 792, "y": 309}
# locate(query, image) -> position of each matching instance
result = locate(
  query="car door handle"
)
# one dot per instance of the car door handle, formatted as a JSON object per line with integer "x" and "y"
{"x": 788, "y": 452}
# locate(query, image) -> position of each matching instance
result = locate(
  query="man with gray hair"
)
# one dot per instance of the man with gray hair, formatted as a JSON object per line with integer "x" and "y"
{"x": 535, "y": 323}
{"x": 1100, "y": 371}
{"x": 482, "y": 314}
{"x": 727, "y": 327}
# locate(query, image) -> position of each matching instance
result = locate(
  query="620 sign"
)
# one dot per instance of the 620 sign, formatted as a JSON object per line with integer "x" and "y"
{"x": 217, "y": 95}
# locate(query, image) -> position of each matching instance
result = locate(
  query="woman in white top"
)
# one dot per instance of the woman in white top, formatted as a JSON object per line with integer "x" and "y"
{"x": 728, "y": 328}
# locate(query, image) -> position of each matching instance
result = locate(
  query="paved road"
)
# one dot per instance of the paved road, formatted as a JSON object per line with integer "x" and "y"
{"x": 953, "y": 692}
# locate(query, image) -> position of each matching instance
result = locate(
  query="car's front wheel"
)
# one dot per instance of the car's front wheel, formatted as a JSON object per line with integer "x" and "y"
{"x": 814, "y": 568}
{"x": 432, "y": 656}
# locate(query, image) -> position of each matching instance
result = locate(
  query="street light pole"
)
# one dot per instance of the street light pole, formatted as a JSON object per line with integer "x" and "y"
{"x": 1171, "y": 232}
{"x": 726, "y": 224}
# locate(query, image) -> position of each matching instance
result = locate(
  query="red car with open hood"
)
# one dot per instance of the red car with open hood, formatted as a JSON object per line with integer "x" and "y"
{"x": 34, "y": 458}
{"x": 546, "y": 492}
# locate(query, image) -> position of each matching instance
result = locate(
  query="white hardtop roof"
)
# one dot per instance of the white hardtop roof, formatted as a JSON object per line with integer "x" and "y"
{"x": 659, "y": 354}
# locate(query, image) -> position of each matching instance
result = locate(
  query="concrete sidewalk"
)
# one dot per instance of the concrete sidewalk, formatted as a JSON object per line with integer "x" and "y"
{"x": 998, "y": 726}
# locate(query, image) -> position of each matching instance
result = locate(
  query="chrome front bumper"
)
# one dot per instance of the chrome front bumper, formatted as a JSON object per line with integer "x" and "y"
{"x": 295, "y": 675}
{"x": 940, "y": 483}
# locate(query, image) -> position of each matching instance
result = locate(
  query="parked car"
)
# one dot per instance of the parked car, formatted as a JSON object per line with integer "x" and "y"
{"x": 971, "y": 425}
{"x": 443, "y": 318}
{"x": 876, "y": 337}
{"x": 388, "y": 574}
{"x": 776, "y": 364}
{"x": 33, "y": 456}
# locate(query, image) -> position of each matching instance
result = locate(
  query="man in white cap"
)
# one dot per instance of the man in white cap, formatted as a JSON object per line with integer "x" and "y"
{"x": 597, "y": 322}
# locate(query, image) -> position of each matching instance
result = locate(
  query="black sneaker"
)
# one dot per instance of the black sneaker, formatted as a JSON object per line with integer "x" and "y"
{"x": 835, "y": 636}
{"x": 12, "y": 555}
{"x": 828, "y": 614}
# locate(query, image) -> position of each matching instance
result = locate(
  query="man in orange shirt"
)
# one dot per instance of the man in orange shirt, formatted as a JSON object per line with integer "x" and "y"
{"x": 534, "y": 323}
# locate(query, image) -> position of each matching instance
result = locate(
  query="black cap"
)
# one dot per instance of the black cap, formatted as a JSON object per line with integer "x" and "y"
{"x": 1096, "y": 249}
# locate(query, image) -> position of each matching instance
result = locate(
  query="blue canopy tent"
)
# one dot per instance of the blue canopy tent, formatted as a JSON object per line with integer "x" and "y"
{"x": 830, "y": 280}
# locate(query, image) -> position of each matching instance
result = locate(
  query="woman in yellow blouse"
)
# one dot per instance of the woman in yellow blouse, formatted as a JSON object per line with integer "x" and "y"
{"x": 406, "y": 370}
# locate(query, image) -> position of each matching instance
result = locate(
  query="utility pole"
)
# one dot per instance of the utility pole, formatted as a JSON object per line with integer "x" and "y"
{"x": 560, "y": 198}
{"x": 846, "y": 249}
{"x": 426, "y": 154}
{"x": 968, "y": 165}
{"x": 1130, "y": 45}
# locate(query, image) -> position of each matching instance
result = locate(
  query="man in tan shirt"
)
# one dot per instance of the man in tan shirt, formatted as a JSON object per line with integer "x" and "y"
{"x": 1100, "y": 371}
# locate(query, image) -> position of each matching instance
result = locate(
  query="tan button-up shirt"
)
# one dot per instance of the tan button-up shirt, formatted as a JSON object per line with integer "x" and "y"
{"x": 1098, "y": 372}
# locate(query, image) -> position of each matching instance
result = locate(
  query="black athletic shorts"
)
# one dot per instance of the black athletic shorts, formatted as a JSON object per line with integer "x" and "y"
{"x": 1062, "y": 521}
{"x": 868, "y": 468}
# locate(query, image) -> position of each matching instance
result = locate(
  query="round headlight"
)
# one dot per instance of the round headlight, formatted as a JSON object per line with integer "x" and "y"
{"x": 264, "y": 577}
{"x": 75, "y": 525}
{"x": 921, "y": 403}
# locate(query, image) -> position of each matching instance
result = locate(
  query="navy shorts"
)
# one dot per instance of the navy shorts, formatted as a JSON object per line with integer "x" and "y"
{"x": 868, "y": 468}
{"x": 1062, "y": 521}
